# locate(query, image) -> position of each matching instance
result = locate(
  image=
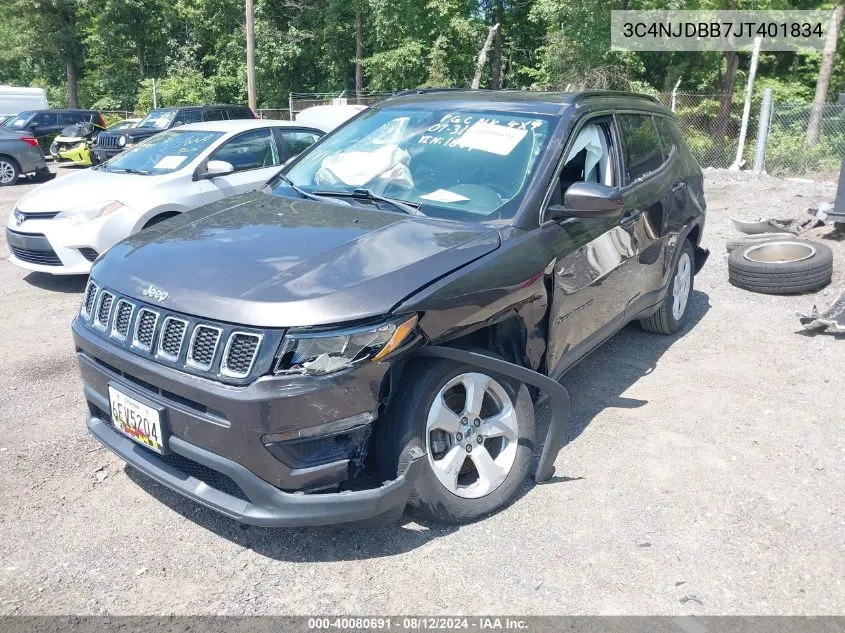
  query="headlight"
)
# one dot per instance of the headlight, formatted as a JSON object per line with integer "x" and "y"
{"x": 86, "y": 212}
{"x": 316, "y": 354}
{"x": 121, "y": 140}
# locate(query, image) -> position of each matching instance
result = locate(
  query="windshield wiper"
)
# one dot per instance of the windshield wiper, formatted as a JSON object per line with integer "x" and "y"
{"x": 301, "y": 192}
{"x": 128, "y": 170}
{"x": 411, "y": 208}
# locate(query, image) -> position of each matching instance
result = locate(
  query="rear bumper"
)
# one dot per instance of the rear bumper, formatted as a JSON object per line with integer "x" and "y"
{"x": 265, "y": 505}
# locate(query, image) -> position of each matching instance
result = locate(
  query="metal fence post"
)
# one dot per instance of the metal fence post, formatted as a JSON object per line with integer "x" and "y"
{"x": 746, "y": 111}
{"x": 290, "y": 106}
{"x": 763, "y": 131}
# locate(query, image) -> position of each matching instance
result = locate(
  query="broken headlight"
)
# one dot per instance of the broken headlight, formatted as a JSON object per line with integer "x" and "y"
{"x": 320, "y": 353}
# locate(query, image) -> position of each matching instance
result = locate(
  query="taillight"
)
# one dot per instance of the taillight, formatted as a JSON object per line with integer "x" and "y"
{"x": 29, "y": 140}
{"x": 102, "y": 122}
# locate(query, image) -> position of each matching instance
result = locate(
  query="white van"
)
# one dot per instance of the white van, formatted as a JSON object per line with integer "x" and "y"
{"x": 14, "y": 100}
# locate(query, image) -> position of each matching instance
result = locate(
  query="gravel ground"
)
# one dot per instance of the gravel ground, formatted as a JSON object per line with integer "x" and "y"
{"x": 705, "y": 475}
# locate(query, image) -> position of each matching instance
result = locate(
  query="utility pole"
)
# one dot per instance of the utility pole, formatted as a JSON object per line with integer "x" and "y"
{"x": 250, "y": 55}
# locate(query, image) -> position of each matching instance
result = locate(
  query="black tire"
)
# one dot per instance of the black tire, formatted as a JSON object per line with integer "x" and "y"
{"x": 664, "y": 320}
{"x": 403, "y": 426}
{"x": 43, "y": 175}
{"x": 811, "y": 269}
{"x": 9, "y": 171}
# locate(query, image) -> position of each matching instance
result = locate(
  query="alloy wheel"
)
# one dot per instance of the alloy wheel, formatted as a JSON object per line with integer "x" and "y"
{"x": 7, "y": 172}
{"x": 471, "y": 435}
{"x": 681, "y": 286}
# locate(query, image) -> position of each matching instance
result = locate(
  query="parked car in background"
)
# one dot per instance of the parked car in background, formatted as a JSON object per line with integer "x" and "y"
{"x": 63, "y": 226}
{"x": 124, "y": 124}
{"x": 20, "y": 155}
{"x": 269, "y": 356}
{"x": 16, "y": 99}
{"x": 330, "y": 116}
{"x": 45, "y": 125}
{"x": 110, "y": 143}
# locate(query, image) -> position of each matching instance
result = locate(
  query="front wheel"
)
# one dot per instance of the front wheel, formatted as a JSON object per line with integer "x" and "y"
{"x": 476, "y": 429}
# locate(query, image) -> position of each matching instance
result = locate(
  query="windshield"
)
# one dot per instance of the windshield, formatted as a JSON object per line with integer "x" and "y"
{"x": 20, "y": 120}
{"x": 453, "y": 163}
{"x": 163, "y": 153}
{"x": 158, "y": 119}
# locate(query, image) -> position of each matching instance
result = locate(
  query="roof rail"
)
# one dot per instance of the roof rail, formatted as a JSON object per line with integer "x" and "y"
{"x": 423, "y": 91}
{"x": 588, "y": 94}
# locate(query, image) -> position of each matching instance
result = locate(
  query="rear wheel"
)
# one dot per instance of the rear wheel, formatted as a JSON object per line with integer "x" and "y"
{"x": 9, "y": 171}
{"x": 672, "y": 313}
{"x": 476, "y": 429}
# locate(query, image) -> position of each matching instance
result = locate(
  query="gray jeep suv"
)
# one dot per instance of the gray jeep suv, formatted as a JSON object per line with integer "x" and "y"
{"x": 361, "y": 334}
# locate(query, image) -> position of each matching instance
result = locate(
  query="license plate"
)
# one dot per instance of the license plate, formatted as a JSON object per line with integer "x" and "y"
{"x": 135, "y": 419}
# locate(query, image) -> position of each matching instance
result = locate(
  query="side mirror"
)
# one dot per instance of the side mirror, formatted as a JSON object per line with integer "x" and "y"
{"x": 587, "y": 200}
{"x": 215, "y": 168}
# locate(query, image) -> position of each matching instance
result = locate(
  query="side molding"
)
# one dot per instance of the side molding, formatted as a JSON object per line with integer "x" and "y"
{"x": 557, "y": 434}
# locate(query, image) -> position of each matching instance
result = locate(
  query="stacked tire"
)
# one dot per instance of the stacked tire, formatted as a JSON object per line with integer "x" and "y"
{"x": 781, "y": 267}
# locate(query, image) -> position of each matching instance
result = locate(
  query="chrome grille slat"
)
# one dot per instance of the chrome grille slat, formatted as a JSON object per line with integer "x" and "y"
{"x": 104, "y": 306}
{"x": 170, "y": 340}
{"x": 122, "y": 319}
{"x": 145, "y": 326}
{"x": 203, "y": 346}
{"x": 240, "y": 353}
{"x": 88, "y": 299}
{"x": 217, "y": 351}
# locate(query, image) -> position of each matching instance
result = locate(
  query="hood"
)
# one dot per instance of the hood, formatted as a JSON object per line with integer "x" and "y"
{"x": 85, "y": 187}
{"x": 267, "y": 261}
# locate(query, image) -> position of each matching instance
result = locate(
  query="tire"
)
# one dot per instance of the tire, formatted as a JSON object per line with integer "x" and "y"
{"x": 748, "y": 240}
{"x": 9, "y": 171}
{"x": 781, "y": 267}
{"x": 43, "y": 175}
{"x": 673, "y": 310}
{"x": 405, "y": 425}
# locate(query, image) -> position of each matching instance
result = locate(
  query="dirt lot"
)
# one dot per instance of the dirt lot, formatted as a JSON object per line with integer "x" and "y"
{"x": 705, "y": 475}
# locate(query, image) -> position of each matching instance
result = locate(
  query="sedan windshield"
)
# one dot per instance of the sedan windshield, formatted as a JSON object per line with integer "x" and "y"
{"x": 452, "y": 163}
{"x": 163, "y": 153}
{"x": 158, "y": 119}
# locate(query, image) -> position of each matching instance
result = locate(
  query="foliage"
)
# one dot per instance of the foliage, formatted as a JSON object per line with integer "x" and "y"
{"x": 195, "y": 49}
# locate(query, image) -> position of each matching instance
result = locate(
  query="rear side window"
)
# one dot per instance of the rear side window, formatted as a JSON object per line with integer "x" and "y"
{"x": 240, "y": 113}
{"x": 215, "y": 115}
{"x": 69, "y": 118}
{"x": 643, "y": 152}
{"x": 668, "y": 138}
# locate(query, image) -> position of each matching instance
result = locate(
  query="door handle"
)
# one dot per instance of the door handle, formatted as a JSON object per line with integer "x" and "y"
{"x": 678, "y": 186}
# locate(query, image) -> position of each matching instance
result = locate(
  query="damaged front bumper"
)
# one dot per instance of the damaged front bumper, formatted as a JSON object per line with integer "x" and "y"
{"x": 265, "y": 505}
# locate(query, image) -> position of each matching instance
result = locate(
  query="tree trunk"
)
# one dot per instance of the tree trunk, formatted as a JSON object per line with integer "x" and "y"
{"x": 823, "y": 82}
{"x": 482, "y": 57}
{"x": 496, "y": 58}
{"x": 250, "y": 56}
{"x": 359, "y": 54}
{"x": 72, "y": 90}
{"x": 721, "y": 125}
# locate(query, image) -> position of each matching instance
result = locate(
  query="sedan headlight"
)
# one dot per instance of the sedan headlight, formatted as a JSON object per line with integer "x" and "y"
{"x": 317, "y": 354}
{"x": 90, "y": 211}
{"x": 121, "y": 140}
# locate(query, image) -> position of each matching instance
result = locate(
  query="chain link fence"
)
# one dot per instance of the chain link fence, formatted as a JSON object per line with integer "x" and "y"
{"x": 713, "y": 139}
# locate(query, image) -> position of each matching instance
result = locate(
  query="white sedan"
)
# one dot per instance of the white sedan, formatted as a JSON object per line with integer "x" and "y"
{"x": 61, "y": 227}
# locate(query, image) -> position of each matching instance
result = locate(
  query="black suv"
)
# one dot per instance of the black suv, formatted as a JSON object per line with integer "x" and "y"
{"x": 45, "y": 125}
{"x": 362, "y": 333}
{"x": 112, "y": 143}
